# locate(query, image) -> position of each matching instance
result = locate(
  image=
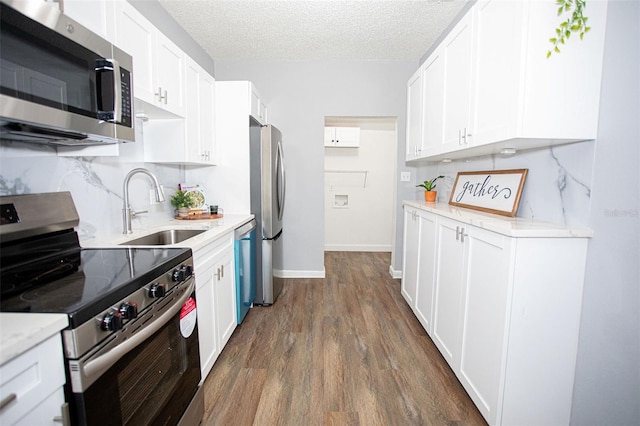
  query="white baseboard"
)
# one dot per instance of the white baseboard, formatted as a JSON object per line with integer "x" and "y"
{"x": 301, "y": 274}
{"x": 358, "y": 247}
{"x": 395, "y": 274}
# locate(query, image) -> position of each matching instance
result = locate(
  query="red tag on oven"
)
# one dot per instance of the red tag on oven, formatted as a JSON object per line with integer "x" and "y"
{"x": 188, "y": 317}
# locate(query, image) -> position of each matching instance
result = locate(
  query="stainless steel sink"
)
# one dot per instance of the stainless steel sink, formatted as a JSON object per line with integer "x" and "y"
{"x": 161, "y": 238}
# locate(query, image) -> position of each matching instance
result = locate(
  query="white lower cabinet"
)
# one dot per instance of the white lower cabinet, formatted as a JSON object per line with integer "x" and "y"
{"x": 32, "y": 386}
{"x": 205, "y": 296}
{"x": 506, "y": 311}
{"x": 448, "y": 291}
{"x": 225, "y": 294}
{"x": 419, "y": 263}
{"x": 215, "y": 295}
{"x": 483, "y": 316}
{"x": 411, "y": 255}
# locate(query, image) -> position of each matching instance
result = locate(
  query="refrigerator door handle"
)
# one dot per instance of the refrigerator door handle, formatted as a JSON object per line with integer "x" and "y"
{"x": 281, "y": 181}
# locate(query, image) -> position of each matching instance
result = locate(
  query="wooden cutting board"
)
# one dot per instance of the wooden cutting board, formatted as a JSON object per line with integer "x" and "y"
{"x": 204, "y": 216}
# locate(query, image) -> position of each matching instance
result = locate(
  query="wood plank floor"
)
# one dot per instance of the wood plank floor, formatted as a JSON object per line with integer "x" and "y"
{"x": 344, "y": 350}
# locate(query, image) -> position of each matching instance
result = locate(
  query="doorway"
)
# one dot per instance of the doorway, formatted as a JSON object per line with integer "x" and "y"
{"x": 360, "y": 183}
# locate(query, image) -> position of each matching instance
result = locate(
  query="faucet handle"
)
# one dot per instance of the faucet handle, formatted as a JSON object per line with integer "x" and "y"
{"x": 134, "y": 214}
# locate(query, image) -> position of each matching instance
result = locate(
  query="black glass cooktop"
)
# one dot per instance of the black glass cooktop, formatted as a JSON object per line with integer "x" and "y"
{"x": 80, "y": 282}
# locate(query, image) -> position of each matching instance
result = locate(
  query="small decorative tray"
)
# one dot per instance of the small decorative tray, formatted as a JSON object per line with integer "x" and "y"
{"x": 203, "y": 216}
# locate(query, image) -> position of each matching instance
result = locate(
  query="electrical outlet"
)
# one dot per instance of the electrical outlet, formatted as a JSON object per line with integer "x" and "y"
{"x": 405, "y": 176}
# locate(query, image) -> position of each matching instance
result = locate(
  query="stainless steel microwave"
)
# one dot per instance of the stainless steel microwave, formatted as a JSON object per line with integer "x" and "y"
{"x": 60, "y": 83}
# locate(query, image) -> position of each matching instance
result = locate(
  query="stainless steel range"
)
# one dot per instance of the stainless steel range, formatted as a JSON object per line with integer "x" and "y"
{"x": 131, "y": 349}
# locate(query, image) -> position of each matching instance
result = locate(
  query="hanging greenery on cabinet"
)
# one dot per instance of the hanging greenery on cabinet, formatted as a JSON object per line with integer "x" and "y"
{"x": 576, "y": 23}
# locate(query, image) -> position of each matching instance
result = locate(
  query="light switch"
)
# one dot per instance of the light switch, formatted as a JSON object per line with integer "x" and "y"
{"x": 405, "y": 176}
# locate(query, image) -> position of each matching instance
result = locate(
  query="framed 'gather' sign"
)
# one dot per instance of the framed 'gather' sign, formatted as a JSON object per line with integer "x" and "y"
{"x": 495, "y": 191}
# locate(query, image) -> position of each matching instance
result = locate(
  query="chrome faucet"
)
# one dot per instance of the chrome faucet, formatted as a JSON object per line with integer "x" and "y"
{"x": 127, "y": 213}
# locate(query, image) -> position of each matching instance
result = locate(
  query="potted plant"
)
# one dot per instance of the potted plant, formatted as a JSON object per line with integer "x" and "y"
{"x": 182, "y": 201}
{"x": 428, "y": 185}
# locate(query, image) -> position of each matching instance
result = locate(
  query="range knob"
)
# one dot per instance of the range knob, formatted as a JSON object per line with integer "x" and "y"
{"x": 157, "y": 290}
{"x": 178, "y": 274}
{"x": 188, "y": 270}
{"x": 112, "y": 321}
{"x": 129, "y": 310}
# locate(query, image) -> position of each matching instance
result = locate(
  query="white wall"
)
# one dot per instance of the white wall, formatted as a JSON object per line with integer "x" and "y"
{"x": 607, "y": 385}
{"x": 366, "y": 176}
{"x": 299, "y": 96}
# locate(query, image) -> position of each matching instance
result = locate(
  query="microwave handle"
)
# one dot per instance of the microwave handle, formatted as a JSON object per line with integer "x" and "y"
{"x": 112, "y": 65}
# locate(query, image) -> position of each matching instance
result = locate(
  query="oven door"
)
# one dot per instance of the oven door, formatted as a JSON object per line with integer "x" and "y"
{"x": 147, "y": 375}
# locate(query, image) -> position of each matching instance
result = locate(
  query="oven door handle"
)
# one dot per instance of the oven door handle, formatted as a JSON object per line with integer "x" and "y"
{"x": 98, "y": 366}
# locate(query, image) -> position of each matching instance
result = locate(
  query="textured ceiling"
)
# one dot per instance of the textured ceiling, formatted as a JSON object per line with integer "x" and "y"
{"x": 312, "y": 29}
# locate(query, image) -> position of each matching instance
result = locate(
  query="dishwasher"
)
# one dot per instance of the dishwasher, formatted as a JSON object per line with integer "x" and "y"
{"x": 245, "y": 259}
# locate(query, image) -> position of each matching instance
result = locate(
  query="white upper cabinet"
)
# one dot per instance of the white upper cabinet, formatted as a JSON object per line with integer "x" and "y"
{"x": 495, "y": 111}
{"x": 207, "y": 113}
{"x": 499, "y": 88}
{"x": 342, "y": 137}
{"x": 433, "y": 102}
{"x": 200, "y": 115}
{"x": 170, "y": 66}
{"x": 257, "y": 106}
{"x": 98, "y": 15}
{"x": 414, "y": 116}
{"x": 158, "y": 64}
{"x": 457, "y": 55}
{"x": 190, "y": 140}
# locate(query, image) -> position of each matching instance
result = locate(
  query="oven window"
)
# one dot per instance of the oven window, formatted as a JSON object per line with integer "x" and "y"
{"x": 153, "y": 384}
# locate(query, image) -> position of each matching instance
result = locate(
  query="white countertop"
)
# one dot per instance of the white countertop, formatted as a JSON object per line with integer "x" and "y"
{"x": 509, "y": 226}
{"x": 20, "y": 332}
{"x": 214, "y": 228}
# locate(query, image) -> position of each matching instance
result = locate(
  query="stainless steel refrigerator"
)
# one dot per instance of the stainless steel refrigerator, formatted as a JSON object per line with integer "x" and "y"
{"x": 267, "y": 204}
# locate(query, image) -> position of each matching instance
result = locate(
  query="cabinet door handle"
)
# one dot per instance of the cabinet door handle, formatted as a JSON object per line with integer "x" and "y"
{"x": 8, "y": 400}
{"x": 218, "y": 274}
{"x": 460, "y": 234}
{"x": 160, "y": 96}
{"x": 222, "y": 269}
{"x": 65, "y": 418}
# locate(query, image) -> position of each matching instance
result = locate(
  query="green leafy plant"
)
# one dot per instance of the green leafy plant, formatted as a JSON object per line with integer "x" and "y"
{"x": 428, "y": 185}
{"x": 182, "y": 199}
{"x": 576, "y": 23}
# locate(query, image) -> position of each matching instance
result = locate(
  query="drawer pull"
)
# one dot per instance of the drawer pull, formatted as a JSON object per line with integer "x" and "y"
{"x": 8, "y": 400}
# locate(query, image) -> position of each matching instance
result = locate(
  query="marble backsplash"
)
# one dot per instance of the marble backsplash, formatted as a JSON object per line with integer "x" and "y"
{"x": 95, "y": 183}
{"x": 557, "y": 188}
